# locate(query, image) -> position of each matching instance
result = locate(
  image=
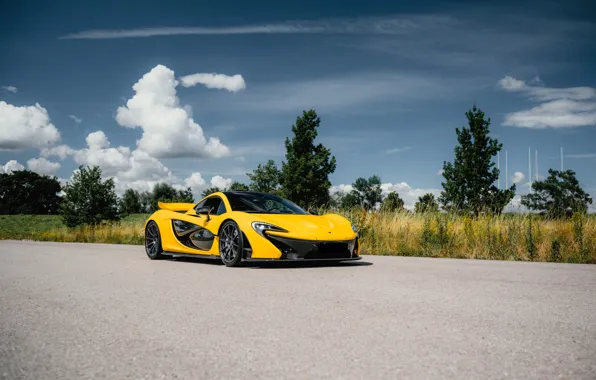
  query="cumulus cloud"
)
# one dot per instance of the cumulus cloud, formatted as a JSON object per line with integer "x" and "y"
{"x": 518, "y": 177}
{"x": 43, "y": 166}
{"x": 10, "y": 166}
{"x": 76, "y": 119}
{"x": 221, "y": 182}
{"x": 232, "y": 83}
{"x": 12, "y": 89}
{"x": 110, "y": 160}
{"x": 195, "y": 181}
{"x": 25, "y": 127}
{"x": 61, "y": 151}
{"x": 168, "y": 129}
{"x": 340, "y": 189}
{"x": 558, "y": 108}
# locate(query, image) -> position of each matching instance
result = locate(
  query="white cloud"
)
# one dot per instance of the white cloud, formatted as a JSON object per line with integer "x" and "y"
{"x": 584, "y": 155}
{"x": 43, "y": 166}
{"x": 340, "y": 189}
{"x": 76, "y": 119}
{"x": 11, "y": 166}
{"x": 398, "y": 150}
{"x": 144, "y": 167}
{"x": 517, "y": 177}
{"x": 110, "y": 160}
{"x": 195, "y": 181}
{"x": 362, "y": 25}
{"x": 61, "y": 151}
{"x": 168, "y": 129}
{"x": 511, "y": 84}
{"x": 440, "y": 172}
{"x": 346, "y": 91}
{"x": 25, "y": 127}
{"x": 12, "y": 89}
{"x": 221, "y": 182}
{"x": 406, "y": 192}
{"x": 232, "y": 83}
{"x": 558, "y": 108}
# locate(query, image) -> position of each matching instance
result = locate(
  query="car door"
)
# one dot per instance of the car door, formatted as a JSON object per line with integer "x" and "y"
{"x": 210, "y": 222}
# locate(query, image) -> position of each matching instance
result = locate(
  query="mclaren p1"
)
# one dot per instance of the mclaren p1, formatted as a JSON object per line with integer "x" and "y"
{"x": 237, "y": 226}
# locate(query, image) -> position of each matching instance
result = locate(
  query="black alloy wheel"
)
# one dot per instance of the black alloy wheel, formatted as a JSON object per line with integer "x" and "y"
{"x": 230, "y": 244}
{"x": 153, "y": 241}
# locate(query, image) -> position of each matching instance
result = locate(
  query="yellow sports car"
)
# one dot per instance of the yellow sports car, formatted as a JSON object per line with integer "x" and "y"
{"x": 237, "y": 226}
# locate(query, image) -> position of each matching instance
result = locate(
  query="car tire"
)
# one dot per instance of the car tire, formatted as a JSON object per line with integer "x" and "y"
{"x": 231, "y": 244}
{"x": 153, "y": 246}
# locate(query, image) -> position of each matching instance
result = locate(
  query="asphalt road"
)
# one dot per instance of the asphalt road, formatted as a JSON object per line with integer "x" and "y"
{"x": 92, "y": 311}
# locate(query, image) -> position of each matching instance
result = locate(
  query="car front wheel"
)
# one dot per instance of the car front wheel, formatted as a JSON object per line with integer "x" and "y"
{"x": 153, "y": 241}
{"x": 230, "y": 244}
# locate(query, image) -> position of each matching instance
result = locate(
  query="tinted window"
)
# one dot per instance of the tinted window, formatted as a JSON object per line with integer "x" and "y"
{"x": 262, "y": 203}
{"x": 214, "y": 203}
{"x": 221, "y": 209}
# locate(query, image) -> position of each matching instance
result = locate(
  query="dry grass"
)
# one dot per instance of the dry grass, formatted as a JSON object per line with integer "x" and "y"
{"x": 506, "y": 237}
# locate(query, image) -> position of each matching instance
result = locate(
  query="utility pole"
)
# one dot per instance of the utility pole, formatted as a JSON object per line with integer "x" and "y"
{"x": 506, "y": 174}
{"x": 530, "y": 166}
{"x": 499, "y": 168}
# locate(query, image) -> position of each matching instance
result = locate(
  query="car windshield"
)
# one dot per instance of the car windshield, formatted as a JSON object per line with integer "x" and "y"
{"x": 262, "y": 203}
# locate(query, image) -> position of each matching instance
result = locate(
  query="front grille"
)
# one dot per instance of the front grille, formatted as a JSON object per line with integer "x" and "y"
{"x": 311, "y": 250}
{"x": 329, "y": 251}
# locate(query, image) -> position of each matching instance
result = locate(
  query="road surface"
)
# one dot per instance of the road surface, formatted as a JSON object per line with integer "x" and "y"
{"x": 93, "y": 311}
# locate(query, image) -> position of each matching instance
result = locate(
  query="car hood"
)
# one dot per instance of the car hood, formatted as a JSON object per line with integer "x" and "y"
{"x": 310, "y": 227}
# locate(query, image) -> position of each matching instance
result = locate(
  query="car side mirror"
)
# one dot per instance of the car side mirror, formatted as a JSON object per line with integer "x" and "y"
{"x": 204, "y": 211}
{"x": 313, "y": 212}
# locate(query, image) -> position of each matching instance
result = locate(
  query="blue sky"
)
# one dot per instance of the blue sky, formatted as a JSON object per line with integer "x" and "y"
{"x": 390, "y": 81}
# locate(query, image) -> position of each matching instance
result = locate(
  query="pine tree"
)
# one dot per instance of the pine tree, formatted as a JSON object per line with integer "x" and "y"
{"x": 469, "y": 185}
{"x": 305, "y": 175}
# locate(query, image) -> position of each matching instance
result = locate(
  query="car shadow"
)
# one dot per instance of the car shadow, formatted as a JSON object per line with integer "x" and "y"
{"x": 302, "y": 264}
{"x": 273, "y": 264}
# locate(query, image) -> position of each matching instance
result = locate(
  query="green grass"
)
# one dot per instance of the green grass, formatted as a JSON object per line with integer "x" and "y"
{"x": 519, "y": 237}
{"x": 50, "y": 228}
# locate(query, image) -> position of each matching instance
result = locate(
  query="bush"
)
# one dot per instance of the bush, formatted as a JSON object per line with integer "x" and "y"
{"x": 88, "y": 200}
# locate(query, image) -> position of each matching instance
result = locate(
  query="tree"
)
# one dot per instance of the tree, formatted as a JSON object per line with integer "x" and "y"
{"x": 426, "y": 203}
{"x": 146, "y": 198}
{"x": 305, "y": 176}
{"x": 469, "y": 185}
{"x": 237, "y": 186}
{"x": 130, "y": 202}
{"x": 26, "y": 192}
{"x": 351, "y": 200}
{"x": 265, "y": 178}
{"x": 368, "y": 191}
{"x": 163, "y": 192}
{"x": 210, "y": 190}
{"x": 89, "y": 200}
{"x": 392, "y": 202}
{"x": 559, "y": 195}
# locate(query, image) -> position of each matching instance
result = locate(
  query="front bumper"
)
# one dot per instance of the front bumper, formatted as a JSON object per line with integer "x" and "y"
{"x": 315, "y": 250}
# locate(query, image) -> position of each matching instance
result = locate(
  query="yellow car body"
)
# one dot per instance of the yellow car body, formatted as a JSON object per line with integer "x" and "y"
{"x": 262, "y": 226}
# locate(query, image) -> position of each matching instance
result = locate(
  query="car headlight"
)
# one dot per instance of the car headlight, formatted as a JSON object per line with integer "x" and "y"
{"x": 261, "y": 227}
{"x": 354, "y": 229}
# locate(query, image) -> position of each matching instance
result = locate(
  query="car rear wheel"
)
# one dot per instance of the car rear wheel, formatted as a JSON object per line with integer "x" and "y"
{"x": 153, "y": 241}
{"x": 230, "y": 244}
